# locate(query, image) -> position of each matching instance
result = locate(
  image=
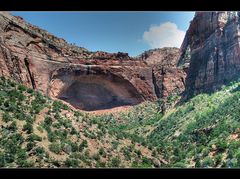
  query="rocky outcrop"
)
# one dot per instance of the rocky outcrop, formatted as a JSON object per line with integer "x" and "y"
{"x": 168, "y": 77}
{"x": 213, "y": 40}
{"x": 87, "y": 80}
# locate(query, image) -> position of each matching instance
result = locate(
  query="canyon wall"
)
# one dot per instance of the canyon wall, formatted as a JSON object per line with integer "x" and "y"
{"x": 213, "y": 44}
{"x": 39, "y": 60}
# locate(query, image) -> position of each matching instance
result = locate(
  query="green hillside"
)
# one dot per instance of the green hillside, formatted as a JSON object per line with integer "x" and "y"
{"x": 36, "y": 131}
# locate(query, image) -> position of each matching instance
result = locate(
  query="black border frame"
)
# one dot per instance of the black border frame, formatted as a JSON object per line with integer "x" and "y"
{"x": 118, "y": 5}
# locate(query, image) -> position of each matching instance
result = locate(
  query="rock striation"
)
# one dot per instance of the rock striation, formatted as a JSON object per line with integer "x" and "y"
{"x": 87, "y": 80}
{"x": 212, "y": 47}
{"x": 168, "y": 76}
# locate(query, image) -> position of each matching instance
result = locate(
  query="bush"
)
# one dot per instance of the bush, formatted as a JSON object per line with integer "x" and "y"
{"x": 48, "y": 120}
{"x": 102, "y": 152}
{"x": 22, "y": 88}
{"x": 74, "y": 147}
{"x": 71, "y": 163}
{"x": 13, "y": 126}
{"x": 22, "y": 154}
{"x": 115, "y": 162}
{"x": 55, "y": 147}
{"x": 34, "y": 137}
{"x": 6, "y": 117}
{"x": 115, "y": 144}
{"x": 30, "y": 91}
{"x": 83, "y": 145}
{"x": 28, "y": 128}
{"x": 221, "y": 145}
{"x": 2, "y": 160}
{"x": 180, "y": 165}
{"x": 52, "y": 137}
{"x": 58, "y": 105}
{"x": 39, "y": 150}
{"x": 207, "y": 162}
{"x": 30, "y": 146}
{"x": 100, "y": 164}
{"x": 96, "y": 157}
{"x": 127, "y": 153}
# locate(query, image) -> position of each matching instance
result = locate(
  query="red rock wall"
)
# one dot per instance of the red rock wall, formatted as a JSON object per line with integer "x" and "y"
{"x": 38, "y": 59}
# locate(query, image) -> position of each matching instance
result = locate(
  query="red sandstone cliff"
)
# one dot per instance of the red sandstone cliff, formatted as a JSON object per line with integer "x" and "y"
{"x": 88, "y": 80}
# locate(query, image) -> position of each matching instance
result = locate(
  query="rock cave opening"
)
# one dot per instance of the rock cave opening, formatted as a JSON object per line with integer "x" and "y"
{"x": 93, "y": 92}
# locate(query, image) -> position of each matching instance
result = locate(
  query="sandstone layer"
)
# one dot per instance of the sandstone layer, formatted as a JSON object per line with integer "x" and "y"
{"x": 86, "y": 80}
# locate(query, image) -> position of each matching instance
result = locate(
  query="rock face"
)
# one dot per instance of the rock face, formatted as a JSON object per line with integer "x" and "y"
{"x": 168, "y": 77}
{"x": 213, "y": 40}
{"x": 87, "y": 80}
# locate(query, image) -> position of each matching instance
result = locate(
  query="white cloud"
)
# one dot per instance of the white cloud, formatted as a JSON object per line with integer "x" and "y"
{"x": 165, "y": 35}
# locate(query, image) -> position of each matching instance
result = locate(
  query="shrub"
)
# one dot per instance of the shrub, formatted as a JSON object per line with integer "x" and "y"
{"x": 102, "y": 152}
{"x": 58, "y": 105}
{"x": 13, "y": 126}
{"x": 11, "y": 147}
{"x": 115, "y": 144}
{"x": 96, "y": 157}
{"x": 48, "y": 120}
{"x": 127, "y": 153}
{"x": 138, "y": 152}
{"x": 207, "y": 162}
{"x": 55, "y": 147}
{"x": 83, "y": 145}
{"x": 39, "y": 150}
{"x": 115, "y": 162}
{"x": 74, "y": 147}
{"x": 71, "y": 163}
{"x": 77, "y": 114}
{"x": 2, "y": 160}
{"x": 22, "y": 88}
{"x": 34, "y": 137}
{"x": 73, "y": 131}
{"x": 30, "y": 146}
{"x": 28, "y": 128}
{"x": 52, "y": 137}
{"x": 6, "y": 117}
{"x": 17, "y": 138}
{"x": 221, "y": 145}
{"x": 180, "y": 165}
{"x": 30, "y": 91}
{"x": 100, "y": 164}
{"x": 22, "y": 154}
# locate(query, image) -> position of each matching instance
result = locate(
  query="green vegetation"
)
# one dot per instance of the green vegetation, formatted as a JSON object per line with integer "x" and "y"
{"x": 202, "y": 132}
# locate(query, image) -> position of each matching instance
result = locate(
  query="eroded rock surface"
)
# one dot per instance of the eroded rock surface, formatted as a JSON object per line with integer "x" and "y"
{"x": 167, "y": 76}
{"x": 87, "y": 80}
{"x": 214, "y": 42}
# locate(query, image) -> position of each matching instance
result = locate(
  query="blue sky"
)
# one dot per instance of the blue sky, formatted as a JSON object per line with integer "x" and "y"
{"x": 131, "y": 32}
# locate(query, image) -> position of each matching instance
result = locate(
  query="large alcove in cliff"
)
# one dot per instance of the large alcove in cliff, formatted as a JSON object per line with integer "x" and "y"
{"x": 91, "y": 92}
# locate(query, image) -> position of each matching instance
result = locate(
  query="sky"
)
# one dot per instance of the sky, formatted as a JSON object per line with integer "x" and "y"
{"x": 129, "y": 32}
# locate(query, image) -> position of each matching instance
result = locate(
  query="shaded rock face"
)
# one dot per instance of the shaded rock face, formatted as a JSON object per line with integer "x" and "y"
{"x": 214, "y": 43}
{"x": 94, "y": 92}
{"x": 168, "y": 77}
{"x": 87, "y": 80}
{"x": 91, "y": 88}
